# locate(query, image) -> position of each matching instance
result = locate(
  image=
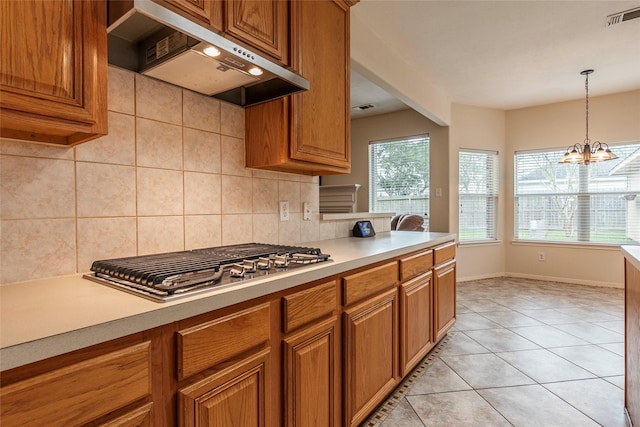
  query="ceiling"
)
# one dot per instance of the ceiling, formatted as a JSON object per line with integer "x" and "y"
{"x": 504, "y": 54}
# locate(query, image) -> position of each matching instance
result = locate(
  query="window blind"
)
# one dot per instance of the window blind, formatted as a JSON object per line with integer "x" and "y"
{"x": 598, "y": 203}
{"x": 399, "y": 176}
{"x": 478, "y": 195}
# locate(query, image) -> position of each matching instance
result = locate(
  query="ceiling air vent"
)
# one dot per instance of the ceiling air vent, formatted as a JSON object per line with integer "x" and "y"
{"x": 363, "y": 107}
{"x": 619, "y": 18}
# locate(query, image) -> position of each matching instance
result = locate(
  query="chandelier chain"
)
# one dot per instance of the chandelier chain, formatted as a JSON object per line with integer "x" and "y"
{"x": 586, "y": 154}
{"x": 586, "y": 88}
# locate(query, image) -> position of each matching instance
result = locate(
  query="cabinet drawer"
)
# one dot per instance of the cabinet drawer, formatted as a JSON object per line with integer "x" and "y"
{"x": 81, "y": 392}
{"x": 205, "y": 345}
{"x": 444, "y": 252}
{"x": 311, "y": 304}
{"x": 361, "y": 285}
{"x": 416, "y": 264}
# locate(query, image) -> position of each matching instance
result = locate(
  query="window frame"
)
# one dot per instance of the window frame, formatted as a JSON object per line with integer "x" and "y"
{"x": 373, "y": 186}
{"x": 589, "y": 200}
{"x": 491, "y": 197}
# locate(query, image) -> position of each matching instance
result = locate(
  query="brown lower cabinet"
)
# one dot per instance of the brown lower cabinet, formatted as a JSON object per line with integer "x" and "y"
{"x": 106, "y": 385}
{"x": 236, "y": 396}
{"x": 311, "y": 370}
{"x": 370, "y": 354}
{"x": 323, "y": 354}
{"x": 444, "y": 298}
{"x": 416, "y": 324}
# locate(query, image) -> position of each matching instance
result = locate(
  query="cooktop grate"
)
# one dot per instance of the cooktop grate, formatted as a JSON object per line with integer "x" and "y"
{"x": 162, "y": 275}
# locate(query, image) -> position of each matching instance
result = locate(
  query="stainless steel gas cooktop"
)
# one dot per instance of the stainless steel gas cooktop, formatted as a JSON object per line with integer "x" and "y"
{"x": 164, "y": 277}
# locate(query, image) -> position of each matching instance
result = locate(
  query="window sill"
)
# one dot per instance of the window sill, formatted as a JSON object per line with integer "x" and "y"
{"x": 577, "y": 245}
{"x": 481, "y": 243}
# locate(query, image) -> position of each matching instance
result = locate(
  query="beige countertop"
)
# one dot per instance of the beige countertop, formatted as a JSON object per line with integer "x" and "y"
{"x": 632, "y": 253}
{"x": 48, "y": 317}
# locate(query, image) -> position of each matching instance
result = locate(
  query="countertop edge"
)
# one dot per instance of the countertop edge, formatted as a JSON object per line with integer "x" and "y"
{"x": 632, "y": 253}
{"x": 23, "y": 353}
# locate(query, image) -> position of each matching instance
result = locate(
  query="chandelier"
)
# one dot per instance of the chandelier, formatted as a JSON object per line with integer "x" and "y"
{"x": 587, "y": 153}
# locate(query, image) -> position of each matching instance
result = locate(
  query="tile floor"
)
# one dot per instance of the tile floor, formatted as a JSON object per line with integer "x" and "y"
{"x": 524, "y": 353}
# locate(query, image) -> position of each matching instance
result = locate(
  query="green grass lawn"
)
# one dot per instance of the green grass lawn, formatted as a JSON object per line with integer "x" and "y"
{"x": 596, "y": 236}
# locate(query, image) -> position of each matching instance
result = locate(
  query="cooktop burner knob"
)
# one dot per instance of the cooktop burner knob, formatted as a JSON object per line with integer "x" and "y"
{"x": 281, "y": 261}
{"x": 249, "y": 265}
{"x": 263, "y": 263}
{"x": 237, "y": 270}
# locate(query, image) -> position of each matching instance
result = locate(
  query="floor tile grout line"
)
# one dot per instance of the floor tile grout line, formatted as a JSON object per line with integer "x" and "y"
{"x": 569, "y": 403}
{"x": 537, "y": 383}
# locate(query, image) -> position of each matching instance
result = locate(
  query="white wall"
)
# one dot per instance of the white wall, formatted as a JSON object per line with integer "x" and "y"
{"x": 381, "y": 64}
{"x": 612, "y": 118}
{"x": 482, "y": 129}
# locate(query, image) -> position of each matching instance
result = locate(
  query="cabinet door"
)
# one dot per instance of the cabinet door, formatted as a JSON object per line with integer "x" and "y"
{"x": 370, "y": 355}
{"x": 53, "y": 84}
{"x": 309, "y": 132}
{"x": 444, "y": 290}
{"x": 262, "y": 24}
{"x": 416, "y": 329}
{"x": 320, "y": 122}
{"x": 237, "y": 396}
{"x": 312, "y": 397}
{"x": 206, "y": 12}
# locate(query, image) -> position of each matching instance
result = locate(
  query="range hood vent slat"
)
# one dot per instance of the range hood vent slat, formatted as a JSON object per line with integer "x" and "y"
{"x": 619, "y": 18}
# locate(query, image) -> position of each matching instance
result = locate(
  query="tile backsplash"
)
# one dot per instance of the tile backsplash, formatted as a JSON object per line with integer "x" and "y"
{"x": 169, "y": 176}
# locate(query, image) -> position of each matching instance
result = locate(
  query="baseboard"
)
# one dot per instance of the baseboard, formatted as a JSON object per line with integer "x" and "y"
{"x": 480, "y": 277}
{"x": 593, "y": 283}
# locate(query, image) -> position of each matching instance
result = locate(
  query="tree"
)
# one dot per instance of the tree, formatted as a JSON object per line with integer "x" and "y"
{"x": 402, "y": 167}
{"x": 565, "y": 205}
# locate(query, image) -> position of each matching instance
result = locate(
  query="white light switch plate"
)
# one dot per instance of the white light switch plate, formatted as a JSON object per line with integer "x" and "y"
{"x": 284, "y": 210}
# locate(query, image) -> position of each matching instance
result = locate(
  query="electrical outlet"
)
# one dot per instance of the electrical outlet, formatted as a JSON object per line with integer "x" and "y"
{"x": 541, "y": 256}
{"x": 284, "y": 210}
{"x": 438, "y": 192}
{"x": 306, "y": 211}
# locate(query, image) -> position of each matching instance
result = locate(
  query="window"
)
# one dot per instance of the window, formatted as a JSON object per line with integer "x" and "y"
{"x": 478, "y": 190}
{"x": 399, "y": 176}
{"x": 598, "y": 203}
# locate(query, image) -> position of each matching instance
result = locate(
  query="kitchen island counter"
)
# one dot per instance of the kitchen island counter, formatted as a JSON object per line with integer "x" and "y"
{"x": 48, "y": 317}
{"x": 632, "y": 254}
{"x": 632, "y": 333}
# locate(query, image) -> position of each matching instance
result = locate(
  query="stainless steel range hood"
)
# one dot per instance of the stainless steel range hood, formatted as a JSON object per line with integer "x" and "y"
{"x": 155, "y": 41}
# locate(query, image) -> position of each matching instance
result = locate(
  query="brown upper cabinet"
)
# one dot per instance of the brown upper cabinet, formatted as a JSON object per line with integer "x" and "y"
{"x": 309, "y": 132}
{"x": 206, "y": 12}
{"x": 258, "y": 24}
{"x": 53, "y": 84}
